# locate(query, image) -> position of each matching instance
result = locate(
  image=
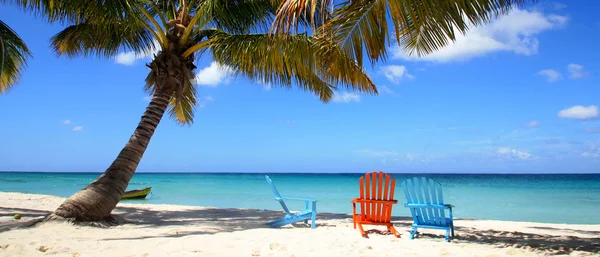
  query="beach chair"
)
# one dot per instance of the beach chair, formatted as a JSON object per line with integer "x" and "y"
{"x": 309, "y": 212}
{"x": 375, "y": 201}
{"x": 426, "y": 204}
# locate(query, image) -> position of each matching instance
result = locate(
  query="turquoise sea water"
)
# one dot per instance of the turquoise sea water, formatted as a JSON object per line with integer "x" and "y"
{"x": 552, "y": 198}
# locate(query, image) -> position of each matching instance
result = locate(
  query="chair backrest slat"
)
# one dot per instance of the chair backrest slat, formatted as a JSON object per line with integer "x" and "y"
{"x": 425, "y": 191}
{"x": 376, "y": 186}
{"x": 277, "y": 195}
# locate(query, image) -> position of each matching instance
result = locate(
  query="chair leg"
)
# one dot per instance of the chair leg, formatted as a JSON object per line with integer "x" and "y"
{"x": 448, "y": 235}
{"x": 413, "y": 232}
{"x": 452, "y": 227}
{"x": 354, "y": 215}
{"x": 392, "y": 229}
{"x": 314, "y": 215}
{"x": 362, "y": 231}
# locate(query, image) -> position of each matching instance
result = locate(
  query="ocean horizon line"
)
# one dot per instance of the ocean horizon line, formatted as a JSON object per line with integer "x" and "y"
{"x": 311, "y": 173}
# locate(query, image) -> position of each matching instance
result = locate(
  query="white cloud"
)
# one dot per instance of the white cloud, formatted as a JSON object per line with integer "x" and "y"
{"x": 580, "y": 112}
{"x": 266, "y": 85}
{"x": 559, "y": 6}
{"x": 395, "y": 72}
{"x": 591, "y": 154}
{"x": 129, "y": 58}
{"x": 346, "y": 97}
{"x": 204, "y": 101}
{"x": 511, "y": 153}
{"x": 532, "y": 124}
{"x": 576, "y": 71}
{"x": 213, "y": 75}
{"x": 516, "y": 32}
{"x": 550, "y": 74}
{"x": 78, "y": 128}
{"x": 592, "y": 130}
{"x": 386, "y": 90}
{"x": 593, "y": 151}
{"x": 66, "y": 122}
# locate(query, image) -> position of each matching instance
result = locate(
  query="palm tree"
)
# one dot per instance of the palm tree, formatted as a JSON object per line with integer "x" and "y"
{"x": 235, "y": 32}
{"x": 13, "y": 57}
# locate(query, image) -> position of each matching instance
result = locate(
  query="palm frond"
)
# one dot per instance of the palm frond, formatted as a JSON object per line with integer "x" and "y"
{"x": 287, "y": 60}
{"x": 103, "y": 40}
{"x": 420, "y": 26}
{"x": 292, "y": 13}
{"x": 13, "y": 57}
{"x": 183, "y": 104}
{"x": 427, "y": 26}
{"x": 239, "y": 16}
{"x": 359, "y": 25}
{"x": 168, "y": 8}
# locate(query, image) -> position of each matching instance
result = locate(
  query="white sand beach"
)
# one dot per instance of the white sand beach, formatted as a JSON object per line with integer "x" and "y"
{"x": 172, "y": 230}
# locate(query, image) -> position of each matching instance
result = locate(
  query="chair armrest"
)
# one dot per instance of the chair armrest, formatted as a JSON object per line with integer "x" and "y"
{"x": 298, "y": 199}
{"x": 358, "y": 200}
{"x": 444, "y": 206}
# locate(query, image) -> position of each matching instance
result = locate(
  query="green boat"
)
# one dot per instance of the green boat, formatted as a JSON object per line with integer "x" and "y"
{"x": 136, "y": 194}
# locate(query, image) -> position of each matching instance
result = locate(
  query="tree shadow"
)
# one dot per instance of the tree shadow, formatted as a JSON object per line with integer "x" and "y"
{"x": 536, "y": 241}
{"x": 202, "y": 221}
{"x": 568, "y": 230}
{"x": 29, "y": 217}
{"x": 228, "y": 217}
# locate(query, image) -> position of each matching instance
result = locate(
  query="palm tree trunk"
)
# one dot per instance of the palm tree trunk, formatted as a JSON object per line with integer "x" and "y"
{"x": 96, "y": 201}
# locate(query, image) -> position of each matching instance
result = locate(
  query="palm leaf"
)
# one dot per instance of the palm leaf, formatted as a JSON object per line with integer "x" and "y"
{"x": 420, "y": 26}
{"x": 104, "y": 40}
{"x": 427, "y": 26}
{"x": 13, "y": 57}
{"x": 363, "y": 18}
{"x": 238, "y": 16}
{"x": 183, "y": 104}
{"x": 287, "y": 60}
{"x": 292, "y": 13}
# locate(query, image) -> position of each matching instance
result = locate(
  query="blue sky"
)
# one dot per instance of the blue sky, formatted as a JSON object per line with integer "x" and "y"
{"x": 519, "y": 95}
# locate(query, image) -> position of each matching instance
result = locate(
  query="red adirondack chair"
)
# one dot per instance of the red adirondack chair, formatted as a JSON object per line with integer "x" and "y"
{"x": 375, "y": 201}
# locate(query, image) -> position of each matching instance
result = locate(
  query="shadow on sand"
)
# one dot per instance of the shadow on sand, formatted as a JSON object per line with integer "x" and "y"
{"x": 535, "y": 241}
{"x": 197, "y": 221}
{"x": 29, "y": 218}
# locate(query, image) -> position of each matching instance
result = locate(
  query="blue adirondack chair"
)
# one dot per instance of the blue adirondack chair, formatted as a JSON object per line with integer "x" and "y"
{"x": 309, "y": 212}
{"x": 426, "y": 203}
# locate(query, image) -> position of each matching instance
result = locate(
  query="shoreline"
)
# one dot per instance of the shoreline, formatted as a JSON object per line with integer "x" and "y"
{"x": 321, "y": 214}
{"x": 180, "y": 230}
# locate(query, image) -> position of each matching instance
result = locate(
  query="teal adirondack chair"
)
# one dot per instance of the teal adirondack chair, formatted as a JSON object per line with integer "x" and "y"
{"x": 426, "y": 203}
{"x": 309, "y": 212}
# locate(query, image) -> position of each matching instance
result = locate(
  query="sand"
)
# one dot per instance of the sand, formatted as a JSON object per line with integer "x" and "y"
{"x": 172, "y": 230}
